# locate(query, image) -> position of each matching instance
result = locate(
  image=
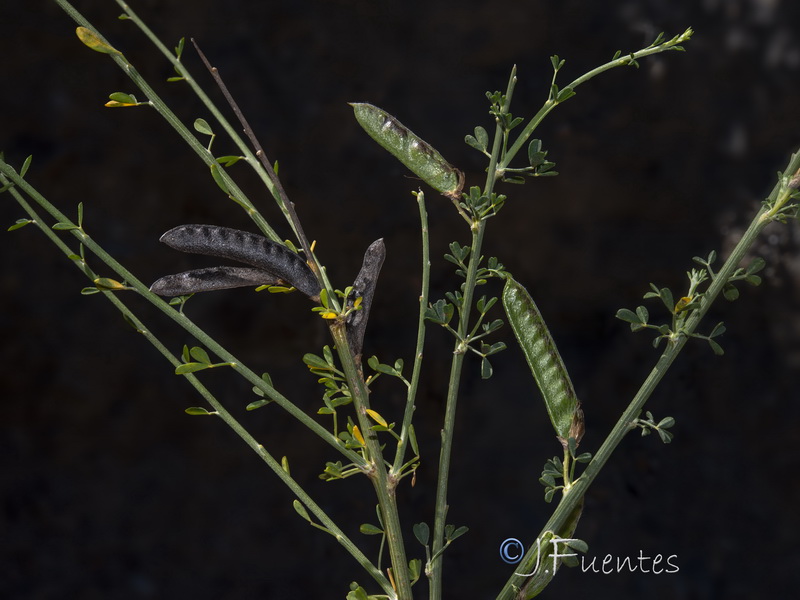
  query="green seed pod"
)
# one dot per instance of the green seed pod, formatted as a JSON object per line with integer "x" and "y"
{"x": 544, "y": 360}
{"x": 410, "y": 149}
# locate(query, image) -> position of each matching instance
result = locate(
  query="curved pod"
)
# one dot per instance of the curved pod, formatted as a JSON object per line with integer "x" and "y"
{"x": 364, "y": 286}
{"x": 211, "y": 279}
{"x": 248, "y": 248}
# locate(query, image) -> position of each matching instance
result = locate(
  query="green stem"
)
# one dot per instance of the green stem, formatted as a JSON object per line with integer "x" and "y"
{"x": 423, "y": 305}
{"x": 570, "y": 500}
{"x": 552, "y": 102}
{"x": 447, "y": 432}
{"x": 219, "y": 410}
{"x": 384, "y": 484}
{"x": 478, "y": 229}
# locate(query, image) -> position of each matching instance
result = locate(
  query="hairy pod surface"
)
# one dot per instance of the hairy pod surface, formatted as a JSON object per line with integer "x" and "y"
{"x": 411, "y": 150}
{"x": 211, "y": 279}
{"x": 543, "y": 359}
{"x": 364, "y": 286}
{"x": 245, "y": 247}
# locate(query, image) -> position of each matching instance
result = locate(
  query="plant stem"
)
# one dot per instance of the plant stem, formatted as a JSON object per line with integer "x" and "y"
{"x": 551, "y": 103}
{"x": 625, "y": 423}
{"x": 478, "y": 229}
{"x": 423, "y": 305}
{"x": 375, "y": 468}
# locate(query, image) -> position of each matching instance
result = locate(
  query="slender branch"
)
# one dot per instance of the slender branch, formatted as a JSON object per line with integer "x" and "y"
{"x": 384, "y": 485}
{"x": 423, "y": 305}
{"x": 478, "y": 228}
{"x": 551, "y": 102}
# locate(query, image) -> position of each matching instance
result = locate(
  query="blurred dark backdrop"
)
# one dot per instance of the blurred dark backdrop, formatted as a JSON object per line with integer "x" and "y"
{"x": 109, "y": 490}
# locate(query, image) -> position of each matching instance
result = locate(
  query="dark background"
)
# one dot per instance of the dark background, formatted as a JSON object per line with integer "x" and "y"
{"x": 109, "y": 490}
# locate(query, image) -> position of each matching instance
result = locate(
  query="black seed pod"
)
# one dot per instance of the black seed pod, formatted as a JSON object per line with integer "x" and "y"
{"x": 364, "y": 286}
{"x": 210, "y": 279}
{"x": 249, "y": 248}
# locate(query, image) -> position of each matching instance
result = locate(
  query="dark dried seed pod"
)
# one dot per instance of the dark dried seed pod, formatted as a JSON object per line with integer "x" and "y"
{"x": 249, "y": 248}
{"x": 210, "y": 279}
{"x": 364, "y": 286}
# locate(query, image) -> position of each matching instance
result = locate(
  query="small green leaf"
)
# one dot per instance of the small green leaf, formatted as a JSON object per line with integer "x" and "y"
{"x": 482, "y": 136}
{"x": 190, "y": 367}
{"x": 565, "y": 94}
{"x": 229, "y": 161}
{"x": 412, "y": 437}
{"x": 756, "y": 265}
{"x": 454, "y": 535}
{"x": 19, "y": 224}
{"x": 665, "y": 436}
{"x": 753, "y": 280}
{"x": 316, "y": 362}
{"x": 495, "y": 348}
{"x": 719, "y": 329}
{"x": 257, "y": 404}
{"x": 357, "y": 594}
{"x": 387, "y": 370}
{"x": 414, "y": 569}
{"x": 629, "y": 316}
{"x": 301, "y": 510}
{"x": 730, "y": 292}
{"x": 486, "y": 368}
{"x": 26, "y": 165}
{"x": 202, "y": 126}
{"x": 285, "y": 465}
{"x": 716, "y": 347}
{"x": 197, "y": 410}
{"x": 122, "y": 98}
{"x": 219, "y": 179}
{"x": 199, "y": 355}
{"x": 666, "y": 423}
{"x": 65, "y": 227}
{"x": 422, "y": 532}
{"x": 556, "y": 62}
{"x": 93, "y": 41}
{"x": 369, "y": 529}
